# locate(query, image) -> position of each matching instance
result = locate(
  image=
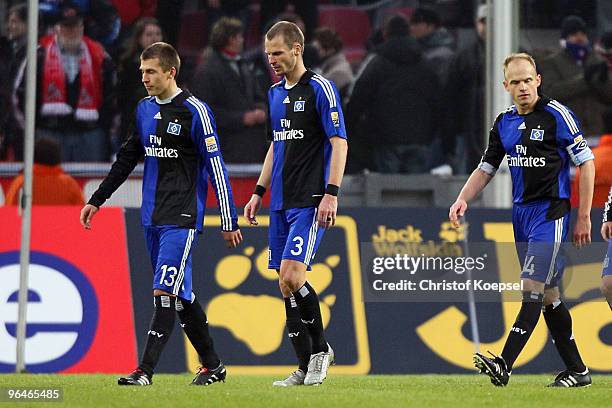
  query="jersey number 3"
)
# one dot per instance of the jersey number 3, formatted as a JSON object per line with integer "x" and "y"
{"x": 299, "y": 241}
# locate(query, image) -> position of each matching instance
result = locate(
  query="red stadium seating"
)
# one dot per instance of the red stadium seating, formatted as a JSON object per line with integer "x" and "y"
{"x": 405, "y": 11}
{"x": 252, "y": 35}
{"x": 353, "y": 26}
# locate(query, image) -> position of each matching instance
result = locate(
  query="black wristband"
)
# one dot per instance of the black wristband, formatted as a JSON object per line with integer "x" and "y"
{"x": 332, "y": 189}
{"x": 259, "y": 190}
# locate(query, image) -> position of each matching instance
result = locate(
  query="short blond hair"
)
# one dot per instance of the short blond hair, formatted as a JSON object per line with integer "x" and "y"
{"x": 290, "y": 31}
{"x": 518, "y": 56}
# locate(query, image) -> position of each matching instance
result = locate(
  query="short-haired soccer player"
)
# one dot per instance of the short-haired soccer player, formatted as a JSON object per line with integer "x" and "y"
{"x": 176, "y": 133}
{"x": 539, "y": 137}
{"x": 304, "y": 165}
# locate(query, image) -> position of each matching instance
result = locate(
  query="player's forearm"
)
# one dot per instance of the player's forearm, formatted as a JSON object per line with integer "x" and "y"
{"x": 338, "y": 160}
{"x": 474, "y": 185}
{"x": 266, "y": 172}
{"x": 587, "y": 181}
{"x": 127, "y": 159}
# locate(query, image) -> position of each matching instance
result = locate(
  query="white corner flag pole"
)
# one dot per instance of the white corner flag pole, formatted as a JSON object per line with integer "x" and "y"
{"x": 26, "y": 203}
{"x": 471, "y": 299}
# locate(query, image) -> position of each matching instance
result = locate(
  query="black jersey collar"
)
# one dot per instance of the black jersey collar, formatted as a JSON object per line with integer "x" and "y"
{"x": 539, "y": 106}
{"x": 542, "y": 102}
{"x": 305, "y": 78}
{"x": 180, "y": 98}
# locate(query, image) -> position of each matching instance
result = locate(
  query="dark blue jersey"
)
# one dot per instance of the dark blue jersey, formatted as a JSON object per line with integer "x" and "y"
{"x": 302, "y": 119}
{"x": 181, "y": 152}
{"x": 539, "y": 147}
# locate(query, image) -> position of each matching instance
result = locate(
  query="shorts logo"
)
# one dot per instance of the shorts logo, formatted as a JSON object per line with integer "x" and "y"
{"x": 537, "y": 134}
{"x": 298, "y": 106}
{"x": 211, "y": 144}
{"x": 174, "y": 128}
{"x": 335, "y": 119}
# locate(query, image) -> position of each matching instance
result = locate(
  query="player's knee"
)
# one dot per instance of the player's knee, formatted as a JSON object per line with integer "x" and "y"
{"x": 606, "y": 288}
{"x": 551, "y": 296}
{"x": 285, "y": 290}
{"x": 291, "y": 279}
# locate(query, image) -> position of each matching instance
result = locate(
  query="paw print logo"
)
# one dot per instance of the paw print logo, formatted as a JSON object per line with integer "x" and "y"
{"x": 450, "y": 234}
{"x": 244, "y": 315}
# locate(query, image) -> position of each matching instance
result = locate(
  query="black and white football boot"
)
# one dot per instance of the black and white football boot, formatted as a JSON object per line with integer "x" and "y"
{"x": 495, "y": 368}
{"x": 206, "y": 376}
{"x": 137, "y": 377}
{"x": 569, "y": 379}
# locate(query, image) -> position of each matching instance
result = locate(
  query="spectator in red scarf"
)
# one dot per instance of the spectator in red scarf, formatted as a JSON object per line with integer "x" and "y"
{"x": 75, "y": 90}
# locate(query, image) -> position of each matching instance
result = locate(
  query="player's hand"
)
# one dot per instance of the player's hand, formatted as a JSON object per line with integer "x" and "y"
{"x": 606, "y": 230}
{"x": 326, "y": 215}
{"x": 87, "y": 214}
{"x": 260, "y": 116}
{"x": 582, "y": 231}
{"x": 252, "y": 208}
{"x": 457, "y": 211}
{"x": 232, "y": 238}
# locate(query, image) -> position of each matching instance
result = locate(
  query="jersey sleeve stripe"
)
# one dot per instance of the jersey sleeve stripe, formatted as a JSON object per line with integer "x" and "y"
{"x": 329, "y": 87}
{"x": 223, "y": 194}
{"x": 208, "y": 127}
{"x": 181, "y": 274}
{"x": 203, "y": 118}
{"x": 312, "y": 238}
{"x": 329, "y": 92}
{"x": 556, "y": 245}
{"x": 324, "y": 90}
{"x": 606, "y": 216}
{"x": 567, "y": 117}
{"x": 203, "y": 115}
{"x": 219, "y": 181}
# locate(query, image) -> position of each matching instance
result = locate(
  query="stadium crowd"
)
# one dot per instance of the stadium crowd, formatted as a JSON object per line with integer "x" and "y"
{"x": 413, "y": 91}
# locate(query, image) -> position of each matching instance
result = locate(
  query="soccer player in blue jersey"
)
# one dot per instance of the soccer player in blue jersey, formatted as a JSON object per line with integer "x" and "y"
{"x": 539, "y": 137}
{"x": 176, "y": 133}
{"x": 304, "y": 165}
{"x": 606, "y": 233}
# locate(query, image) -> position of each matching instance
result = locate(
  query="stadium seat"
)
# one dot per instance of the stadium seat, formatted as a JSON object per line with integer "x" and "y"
{"x": 193, "y": 34}
{"x": 353, "y": 26}
{"x": 252, "y": 35}
{"x": 405, "y": 11}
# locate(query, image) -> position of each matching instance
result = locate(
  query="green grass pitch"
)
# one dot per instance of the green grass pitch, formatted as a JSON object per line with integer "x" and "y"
{"x": 456, "y": 391}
